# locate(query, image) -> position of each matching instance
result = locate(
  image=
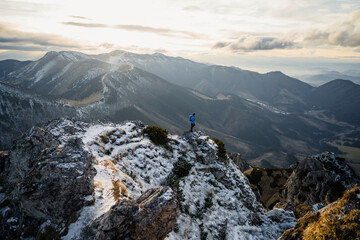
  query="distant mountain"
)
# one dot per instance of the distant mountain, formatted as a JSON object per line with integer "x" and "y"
{"x": 274, "y": 88}
{"x": 322, "y": 78}
{"x": 8, "y": 66}
{"x": 339, "y": 97}
{"x": 65, "y": 74}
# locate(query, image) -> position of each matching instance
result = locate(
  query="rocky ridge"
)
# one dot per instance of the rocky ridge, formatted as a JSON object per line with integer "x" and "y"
{"x": 319, "y": 178}
{"x": 306, "y": 186}
{"x": 72, "y": 180}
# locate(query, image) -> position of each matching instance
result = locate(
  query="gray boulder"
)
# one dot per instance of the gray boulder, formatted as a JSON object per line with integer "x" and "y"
{"x": 152, "y": 216}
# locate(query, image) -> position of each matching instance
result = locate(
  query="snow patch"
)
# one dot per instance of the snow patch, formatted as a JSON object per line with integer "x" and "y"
{"x": 317, "y": 207}
{"x": 42, "y": 72}
{"x": 12, "y": 220}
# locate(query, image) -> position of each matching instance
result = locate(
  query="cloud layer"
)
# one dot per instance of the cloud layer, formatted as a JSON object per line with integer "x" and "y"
{"x": 344, "y": 34}
{"x": 254, "y": 43}
{"x": 27, "y": 41}
{"x": 139, "y": 28}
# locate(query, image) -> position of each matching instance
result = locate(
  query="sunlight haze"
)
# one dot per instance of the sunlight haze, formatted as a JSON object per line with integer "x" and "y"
{"x": 296, "y": 37}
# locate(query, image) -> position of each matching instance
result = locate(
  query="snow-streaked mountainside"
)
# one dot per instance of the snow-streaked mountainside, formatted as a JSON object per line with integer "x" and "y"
{"x": 214, "y": 199}
{"x": 69, "y": 75}
{"x": 75, "y": 71}
{"x": 274, "y": 88}
{"x": 20, "y": 109}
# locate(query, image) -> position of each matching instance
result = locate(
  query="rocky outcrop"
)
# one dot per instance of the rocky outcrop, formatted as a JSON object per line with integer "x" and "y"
{"x": 75, "y": 181}
{"x": 46, "y": 179}
{"x": 339, "y": 220}
{"x": 151, "y": 217}
{"x": 319, "y": 178}
{"x": 199, "y": 144}
{"x": 239, "y": 161}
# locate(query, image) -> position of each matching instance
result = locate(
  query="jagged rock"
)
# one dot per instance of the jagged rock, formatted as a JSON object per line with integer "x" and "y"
{"x": 152, "y": 217}
{"x": 199, "y": 144}
{"x": 241, "y": 163}
{"x": 322, "y": 177}
{"x": 46, "y": 179}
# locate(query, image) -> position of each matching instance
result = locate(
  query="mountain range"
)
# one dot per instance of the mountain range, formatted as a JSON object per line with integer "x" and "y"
{"x": 327, "y": 76}
{"x": 269, "y": 118}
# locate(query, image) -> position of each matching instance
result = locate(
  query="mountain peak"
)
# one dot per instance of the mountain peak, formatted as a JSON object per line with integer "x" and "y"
{"x": 340, "y": 84}
{"x": 158, "y": 54}
{"x": 276, "y": 73}
{"x": 51, "y": 54}
{"x": 69, "y": 55}
{"x": 341, "y": 81}
{"x": 74, "y": 56}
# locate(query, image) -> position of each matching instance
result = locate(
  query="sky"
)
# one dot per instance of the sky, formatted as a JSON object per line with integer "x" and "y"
{"x": 293, "y": 36}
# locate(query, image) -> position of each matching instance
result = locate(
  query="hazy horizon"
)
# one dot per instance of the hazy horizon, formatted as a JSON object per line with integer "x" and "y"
{"x": 297, "y": 38}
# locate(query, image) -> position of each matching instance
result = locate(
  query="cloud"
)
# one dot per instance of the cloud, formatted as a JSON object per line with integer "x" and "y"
{"x": 346, "y": 33}
{"x": 254, "y": 43}
{"x": 80, "y": 17}
{"x": 139, "y": 28}
{"x": 26, "y": 41}
{"x": 221, "y": 44}
{"x": 22, "y": 48}
{"x": 87, "y": 25}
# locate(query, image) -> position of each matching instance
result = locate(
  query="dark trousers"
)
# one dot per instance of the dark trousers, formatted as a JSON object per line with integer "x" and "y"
{"x": 192, "y": 125}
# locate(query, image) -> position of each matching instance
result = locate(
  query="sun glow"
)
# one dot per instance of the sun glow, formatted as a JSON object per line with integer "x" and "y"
{"x": 202, "y": 30}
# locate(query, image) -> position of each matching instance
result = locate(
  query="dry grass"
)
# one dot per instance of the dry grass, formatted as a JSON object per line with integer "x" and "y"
{"x": 339, "y": 221}
{"x": 351, "y": 153}
{"x": 98, "y": 186}
{"x": 84, "y": 102}
{"x": 119, "y": 189}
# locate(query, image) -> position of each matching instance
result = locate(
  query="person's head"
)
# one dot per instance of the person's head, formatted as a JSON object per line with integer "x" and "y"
{"x": 193, "y": 114}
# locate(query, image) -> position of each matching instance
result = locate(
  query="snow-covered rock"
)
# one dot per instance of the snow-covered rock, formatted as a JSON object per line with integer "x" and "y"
{"x": 215, "y": 200}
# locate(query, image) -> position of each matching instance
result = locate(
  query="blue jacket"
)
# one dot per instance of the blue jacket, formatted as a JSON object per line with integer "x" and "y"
{"x": 192, "y": 119}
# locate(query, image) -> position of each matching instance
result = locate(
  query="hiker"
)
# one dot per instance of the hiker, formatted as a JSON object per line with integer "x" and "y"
{"x": 192, "y": 121}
